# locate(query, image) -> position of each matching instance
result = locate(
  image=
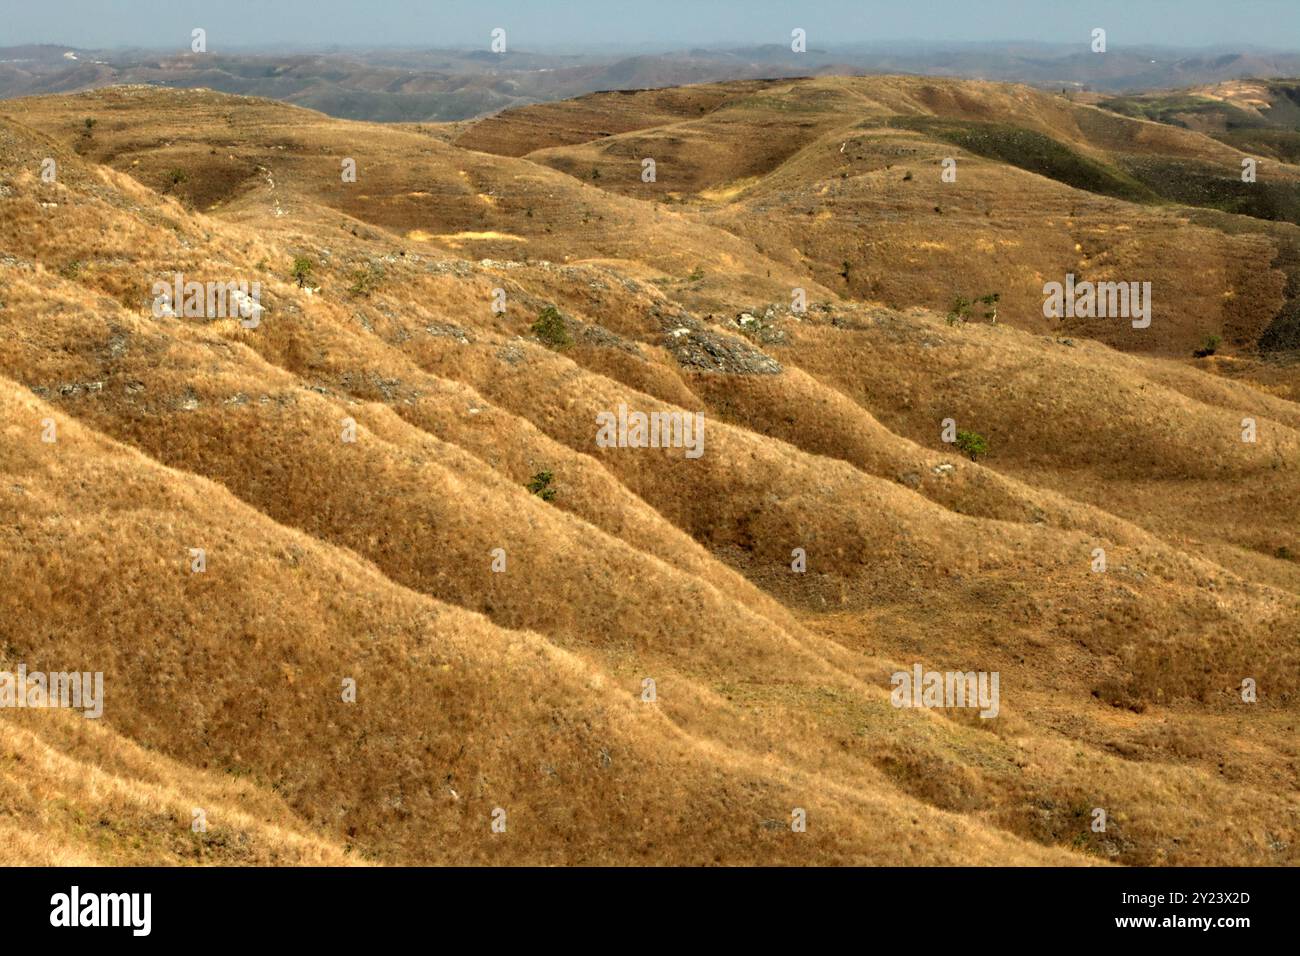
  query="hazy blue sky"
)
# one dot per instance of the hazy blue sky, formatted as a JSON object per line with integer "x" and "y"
{"x": 534, "y": 24}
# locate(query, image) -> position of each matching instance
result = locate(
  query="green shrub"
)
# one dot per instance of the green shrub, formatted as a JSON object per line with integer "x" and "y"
{"x": 1209, "y": 348}
{"x": 302, "y": 267}
{"x": 541, "y": 485}
{"x": 972, "y": 444}
{"x": 959, "y": 311}
{"x": 990, "y": 303}
{"x": 550, "y": 328}
{"x": 963, "y": 308}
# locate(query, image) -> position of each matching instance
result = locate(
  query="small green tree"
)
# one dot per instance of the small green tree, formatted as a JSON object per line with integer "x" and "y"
{"x": 541, "y": 485}
{"x": 302, "y": 267}
{"x": 1209, "y": 348}
{"x": 550, "y": 328}
{"x": 990, "y": 303}
{"x": 963, "y": 308}
{"x": 972, "y": 444}
{"x": 959, "y": 311}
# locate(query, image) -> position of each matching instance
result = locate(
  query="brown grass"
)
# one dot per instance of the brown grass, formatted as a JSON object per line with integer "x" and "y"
{"x": 522, "y": 690}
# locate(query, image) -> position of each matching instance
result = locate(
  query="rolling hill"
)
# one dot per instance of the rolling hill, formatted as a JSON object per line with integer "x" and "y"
{"x": 395, "y": 484}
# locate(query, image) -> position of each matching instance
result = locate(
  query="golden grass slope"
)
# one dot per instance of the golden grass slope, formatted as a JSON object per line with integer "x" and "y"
{"x": 523, "y": 690}
{"x": 820, "y": 176}
{"x": 243, "y": 668}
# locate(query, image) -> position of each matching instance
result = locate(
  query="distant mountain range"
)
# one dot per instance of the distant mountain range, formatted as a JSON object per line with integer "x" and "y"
{"x": 448, "y": 85}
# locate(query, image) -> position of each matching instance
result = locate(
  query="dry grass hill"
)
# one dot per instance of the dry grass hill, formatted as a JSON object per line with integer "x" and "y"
{"x": 522, "y": 690}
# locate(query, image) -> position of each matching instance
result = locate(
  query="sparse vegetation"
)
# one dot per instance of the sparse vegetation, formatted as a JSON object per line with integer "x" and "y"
{"x": 1032, "y": 151}
{"x": 1209, "y": 348}
{"x": 1211, "y": 187}
{"x": 990, "y": 303}
{"x": 972, "y": 444}
{"x": 541, "y": 486}
{"x": 1137, "y": 178}
{"x": 379, "y": 558}
{"x": 550, "y": 327}
{"x": 365, "y": 280}
{"x": 1273, "y": 132}
{"x": 962, "y": 309}
{"x": 302, "y": 270}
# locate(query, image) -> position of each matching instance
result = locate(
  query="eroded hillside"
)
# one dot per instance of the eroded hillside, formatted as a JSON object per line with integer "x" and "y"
{"x": 356, "y": 467}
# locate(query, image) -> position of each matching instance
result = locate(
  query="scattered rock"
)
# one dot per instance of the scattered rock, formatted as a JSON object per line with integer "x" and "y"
{"x": 449, "y": 331}
{"x": 695, "y": 346}
{"x": 511, "y": 354}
